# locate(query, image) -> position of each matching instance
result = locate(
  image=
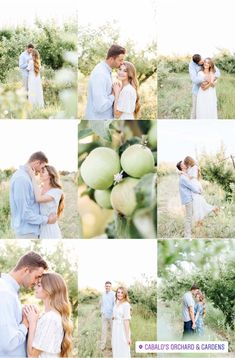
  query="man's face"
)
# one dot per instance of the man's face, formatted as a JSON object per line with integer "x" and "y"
{"x": 117, "y": 61}
{"x": 183, "y": 166}
{"x": 31, "y": 276}
{"x": 38, "y": 166}
{"x": 108, "y": 287}
{"x": 195, "y": 292}
{"x": 29, "y": 50}
{"x": 201, "y": 62}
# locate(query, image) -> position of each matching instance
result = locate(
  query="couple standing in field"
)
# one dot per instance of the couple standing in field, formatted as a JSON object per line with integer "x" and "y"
{"x": 190, "y": 187}
{"x": 36, "y": 199}
{"x": 193, "y": 314}
{"x": 116, "y": 315}
{"x": 30, "y": 65}
{"x": 118, "y": 98}
{"x": 203, "y": 74}
{"x": 24, "y": 331}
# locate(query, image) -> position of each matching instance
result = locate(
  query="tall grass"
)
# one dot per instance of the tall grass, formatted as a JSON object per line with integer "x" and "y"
{"x": 175, "y": 96}
{"x": 171, "y": 211}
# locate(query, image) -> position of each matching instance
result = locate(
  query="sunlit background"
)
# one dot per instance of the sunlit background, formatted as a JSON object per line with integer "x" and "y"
{"x": 179, "y": 138}
{"x": 57, "y": 139}
{"x": 117, "y": 261}
{"x": 188, "y": 27}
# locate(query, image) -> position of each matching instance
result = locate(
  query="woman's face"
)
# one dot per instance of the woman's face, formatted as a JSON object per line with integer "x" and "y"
{"x": 120, "y": 295}
{"x": 207, "y": 65}
{"x": 122, "y": 73}
{"x": 197, "y": 298}
{"x": 44, "y": 175}
{"x": 39, "y": 291}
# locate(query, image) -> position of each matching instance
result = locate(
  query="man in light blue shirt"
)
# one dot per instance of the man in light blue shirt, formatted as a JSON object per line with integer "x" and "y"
{"x": 100, "y": 88}
{"x": 107, "y": 302}
{"x": 25, "y": 211}
{"x": 186, "y": 188}
{"x": 194, "y": 67}
{"x": 13, "y": 323}
{"x": 23, "y": 64}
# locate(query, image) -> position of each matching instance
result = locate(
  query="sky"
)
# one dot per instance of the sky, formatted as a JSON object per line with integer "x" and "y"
{"x": 178, "y": 138}
{"x": 15, "y": 12}
{"x": 115, "y": 261}
{"x": 136, "y": 19}
{"x": 188, "y": 26}
{"x": 56, "y": 138}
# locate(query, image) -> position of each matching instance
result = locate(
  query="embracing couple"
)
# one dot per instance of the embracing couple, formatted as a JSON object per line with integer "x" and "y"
{"x": 30, "y": 65}
{"x": 193, "y": 313}
{"x": 36, "y": 203}
{"x": 24, "y": 332}
{"x": 203, "y": 74}
{"x": 116, "y": 315}
{"x": 108, "y": 99}
{"x": 190, "y": 187}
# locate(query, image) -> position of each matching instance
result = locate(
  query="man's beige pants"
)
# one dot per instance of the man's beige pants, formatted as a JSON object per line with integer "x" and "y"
{"x": 106, "y": 334}
{"x": 188, "y": 220}
{"x": 26, "y": 236}
{"x": 194, "y": 105}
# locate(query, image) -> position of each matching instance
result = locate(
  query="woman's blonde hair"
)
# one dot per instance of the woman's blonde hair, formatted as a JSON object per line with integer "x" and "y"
{"x": 55, "y": 183}
{"x": 56, "y": 288}
{"x": 36, "y": 61}
{"x": 132, "y": 78}
{"x": 203, "y": 300}
{"x": 125, "y": 293}
{"x": 190, "y": 162}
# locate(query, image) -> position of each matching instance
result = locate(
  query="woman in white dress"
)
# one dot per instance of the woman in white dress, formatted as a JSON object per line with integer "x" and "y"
{"x": 200, "y": 207}
{"x": 206, "y": 106}
{"x": 50, "y": 335}
{"x": 126, "y": 103}
{"x": 121, "y": 333}
{"x": 51, "y": 199}
{"x": 35, "y": 91}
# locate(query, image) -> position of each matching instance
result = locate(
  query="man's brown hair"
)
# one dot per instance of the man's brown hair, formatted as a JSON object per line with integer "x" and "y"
{"x": 38, "y": 156}
{"x": 194, "y": 287}
{"x": 31, "y": 260}
{"x": 115, "y": 51}
{"x": 196, "y": 58}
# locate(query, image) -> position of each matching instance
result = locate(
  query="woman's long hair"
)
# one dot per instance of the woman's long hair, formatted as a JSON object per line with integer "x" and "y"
{"x": 132, "y": 78}
{"x": 189, "y": 161}
{"x": 203, "y": 300}
{"x": 55, "y": 183}
{"x": 36, "y": 61}
{"x": 56, "y": 288}
{"x": 211, "y": 64}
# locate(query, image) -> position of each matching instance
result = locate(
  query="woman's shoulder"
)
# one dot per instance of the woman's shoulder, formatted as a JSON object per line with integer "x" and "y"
{"x": 56, "y": 191}
{"x": 129, "y": 89}
{"x": 51, "y": 316}
{"x": 126, "y": 304}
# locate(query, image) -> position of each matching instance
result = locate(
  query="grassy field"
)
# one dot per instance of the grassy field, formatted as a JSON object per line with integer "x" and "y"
{"x": 69, "y": 222}
{"x": 89, "y": 331}
{"x": 148, "y": 97}
{"x": 175, "y": 99}
{"x": 171, "y": 212}
{"x": 170, "y": 327}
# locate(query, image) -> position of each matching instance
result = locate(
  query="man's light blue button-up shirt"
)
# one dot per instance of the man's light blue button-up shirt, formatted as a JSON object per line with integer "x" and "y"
{"x": 107, "y": 303}
{"x": 12, "y": 332}
{"x": 25, "y": 216}
{"x": 193, "y": 72}
{"x": 100, "y": 99}
{"x": 186, "y": 189}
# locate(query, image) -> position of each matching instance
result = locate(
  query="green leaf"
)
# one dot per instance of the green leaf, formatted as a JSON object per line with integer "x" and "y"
{"x": 101, "y": 128}
{"x": 146, "y": 191}
{"x": 84, "y": 133}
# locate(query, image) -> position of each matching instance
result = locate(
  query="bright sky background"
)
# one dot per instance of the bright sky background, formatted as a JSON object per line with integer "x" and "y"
{"x": 56, "y": 138}
{"x": 17, "y": 12}
{"x": 189, "y": 26}
{"x": 115, "y": 261}
{"x": 136, "y": 18}
{"x": 178, "y": 138}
